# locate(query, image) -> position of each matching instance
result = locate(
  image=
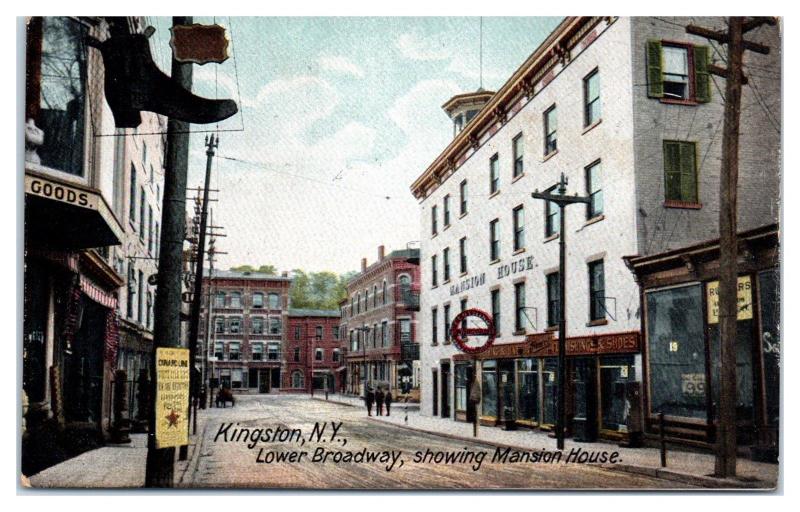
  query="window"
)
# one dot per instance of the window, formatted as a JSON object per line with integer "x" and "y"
{"x": 318, "y": 332}
{"x": 434, "y": 215}
{"x": 158, "y": 240}
{"x": 296, "y": 354}
{"x": 678, "y": 72}
{"x": 680, "y": 171}
{"x": 384, "y": 292}
{"x": 384, "y": 334}
{"x": 591, "y": 98}
{"x": 131, "y": 289}
{"x": 434, "y": 277}
{"x": 553, "y": 301}
{"x": 132, "y": 204}
{"x": 273, "y": 351}
{"x": 335, "y": 355}
{"x": 519, "y": 307}
{"x": 516, "y": 146}
{"x": 297, "y": 331}
{"x": 219, "y": 300}
{"x": 358, "y": 303}
{"x": 552, "y": 221}
{"x": 374, "y": 295}
{"x": 236, "y": 300}
{"x": 366, "y": 300}
{"x": 274, "y": 301}
{"x": 297, "y": 379}
{"x": 446, "y": 314}
{"x": 319, "y": 354}
{"x": 496, "y": 311}
{"x": 434, "y": 326}
{"x": 257, "y": 351}
{"x": 550, "y": 126}
{"x": 335, "y": 332}
{"x": 447, "y": 210}
{"x": 405, "y": 330}
{"x": 233, "y": 351}
{"x": 57, "y": 90}
{"x": 235, "y": 325}
{"x": 446, "y": 261}
{"x": 494, "y": 174}
{"x": 462, "y": 249}
{"x": 149, "y": 322}
{"x": 494, "y": 241}
{"x": 594, "y": 191}
{"x": 597, "y": 291}
{"x": 142, "y": 219}
{"x": 219, "y": 325}
{"x": 464, "y": 321}
{"x": 519, "y": 228}
{"x": 258, "y": 300}
{"x": 462, "y": 190}
{"x": 140, "y": 297}
{"x": 274, "y": 325}
{"x": 219, "y": 351}
{"x": 258, "y": 325}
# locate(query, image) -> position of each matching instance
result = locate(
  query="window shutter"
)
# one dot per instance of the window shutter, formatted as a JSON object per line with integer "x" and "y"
{"x": 702, "y": 80}
{"x": 688, "y": 172}
{"x": 655, "y": 84}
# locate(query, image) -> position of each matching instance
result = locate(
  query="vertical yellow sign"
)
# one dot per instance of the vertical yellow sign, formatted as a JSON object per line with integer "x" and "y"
{"x": 172, "y": 397}
{"x": 744, "y": 299}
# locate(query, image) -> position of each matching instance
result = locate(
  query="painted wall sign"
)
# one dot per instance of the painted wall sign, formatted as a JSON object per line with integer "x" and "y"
{"x": 509, "y": 269}
{"x": 172, "y": 397}
{"x": 60, "y": 192}
{"x": 546, "y": 345}
{"x": 463, "y": 329}
{"x": 744, "y": 292}
{"x": 467, "y": 284}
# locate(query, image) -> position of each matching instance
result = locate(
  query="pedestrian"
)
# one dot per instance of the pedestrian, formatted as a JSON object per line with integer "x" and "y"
{"x": 388, "y": 399}
{"x": 369, "y": 398}
{"x": 379, "y": 401}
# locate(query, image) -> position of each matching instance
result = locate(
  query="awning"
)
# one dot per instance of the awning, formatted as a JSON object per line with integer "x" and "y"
{"x": 61, "y": 215}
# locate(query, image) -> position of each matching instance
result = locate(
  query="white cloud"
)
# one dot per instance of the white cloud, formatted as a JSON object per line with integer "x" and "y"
{"x": 341, "y": 64}
{"x": 415, "y": 47}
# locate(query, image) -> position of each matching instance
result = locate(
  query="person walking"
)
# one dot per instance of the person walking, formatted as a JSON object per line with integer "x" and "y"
{"x": 379, "y": 401}
{"x": 388, "y": 399}
{"x": 369, "y": 398}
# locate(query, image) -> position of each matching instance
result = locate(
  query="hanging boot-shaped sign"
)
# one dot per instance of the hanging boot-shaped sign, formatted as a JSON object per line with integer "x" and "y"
{"x": 134, "y": 83}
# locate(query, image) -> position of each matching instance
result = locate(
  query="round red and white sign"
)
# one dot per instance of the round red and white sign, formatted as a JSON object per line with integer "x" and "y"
{"x": 472, "y": 331}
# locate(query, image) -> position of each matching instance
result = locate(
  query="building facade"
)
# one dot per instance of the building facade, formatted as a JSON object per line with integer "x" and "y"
{"x": 249, "y": 313}
{"x": 378, "y": 324}
{"x": 313, "y": 351}
{"x": 626, "y": 110}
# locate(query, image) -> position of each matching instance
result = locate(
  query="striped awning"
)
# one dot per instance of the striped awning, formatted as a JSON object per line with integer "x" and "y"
{"x": 97, "y": 294}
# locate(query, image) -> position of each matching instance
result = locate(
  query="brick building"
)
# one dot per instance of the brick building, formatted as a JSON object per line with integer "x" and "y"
{"x": 249, "y": 312}
{"x": 378, "y": 323}
{"x": 313, "y": 351}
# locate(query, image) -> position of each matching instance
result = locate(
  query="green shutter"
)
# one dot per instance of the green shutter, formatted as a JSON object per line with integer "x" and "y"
{"x": 702, "y": 79}
{"x": 688, "y": 172}
{"x": 655, "y": 84}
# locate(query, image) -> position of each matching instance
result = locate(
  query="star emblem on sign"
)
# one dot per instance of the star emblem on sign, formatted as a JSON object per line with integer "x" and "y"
{"x": 173, "y": 419}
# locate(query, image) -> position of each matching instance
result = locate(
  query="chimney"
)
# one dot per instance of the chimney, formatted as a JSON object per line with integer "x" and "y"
{"x": 381, "y": 252}
{"x": 363, "y": 264}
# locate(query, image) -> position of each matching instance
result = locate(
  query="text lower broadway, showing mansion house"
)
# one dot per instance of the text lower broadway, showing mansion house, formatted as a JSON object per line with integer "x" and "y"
{"x": 626, "y": 109}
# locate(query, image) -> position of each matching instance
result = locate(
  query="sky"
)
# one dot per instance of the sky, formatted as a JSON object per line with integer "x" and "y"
{"x": 338, "y": 116}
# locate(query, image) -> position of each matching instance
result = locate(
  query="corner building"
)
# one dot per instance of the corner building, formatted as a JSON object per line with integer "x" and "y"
{"x": 626, "y": 110}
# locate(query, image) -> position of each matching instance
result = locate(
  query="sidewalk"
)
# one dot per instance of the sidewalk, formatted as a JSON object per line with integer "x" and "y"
{"x": 682, "y": 466}
{"x": 356, "y": 401}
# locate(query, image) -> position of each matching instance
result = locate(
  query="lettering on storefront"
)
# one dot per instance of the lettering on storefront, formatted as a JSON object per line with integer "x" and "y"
{"x": 744, "y": 299}
{"x": 509, "y": 269}
{"x": 172, "y": 397}
{"x": 59, "y": 192}
{"x": 468, "y": 283}
{"x": 545, "y": 345}
{"x": 693, "y": 384}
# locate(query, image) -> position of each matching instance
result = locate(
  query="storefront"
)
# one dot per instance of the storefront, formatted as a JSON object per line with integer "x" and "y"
{"x": 682, "y": 345}
{"x": 519, "y": 385}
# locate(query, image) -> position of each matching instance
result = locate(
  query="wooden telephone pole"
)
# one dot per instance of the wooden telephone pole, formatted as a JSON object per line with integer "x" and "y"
{"x": 725, "y": 465}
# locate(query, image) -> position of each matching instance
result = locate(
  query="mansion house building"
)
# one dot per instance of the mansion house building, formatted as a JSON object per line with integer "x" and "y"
{"x": 626, "y": 109}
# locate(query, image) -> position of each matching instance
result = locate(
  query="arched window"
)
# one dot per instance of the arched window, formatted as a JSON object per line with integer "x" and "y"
{"x": 358, "y": 303}
{"x": 366, "y": 299}
{"x": 384, "y": 291}
{"x": 374, "y": 295}
{"x": 297, "y": 379}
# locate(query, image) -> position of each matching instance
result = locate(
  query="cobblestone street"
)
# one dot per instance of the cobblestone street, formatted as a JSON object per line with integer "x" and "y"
{"x": 233, "y": 464}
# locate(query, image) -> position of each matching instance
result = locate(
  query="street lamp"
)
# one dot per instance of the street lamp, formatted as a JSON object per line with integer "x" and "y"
{"x": 562, "y": 200}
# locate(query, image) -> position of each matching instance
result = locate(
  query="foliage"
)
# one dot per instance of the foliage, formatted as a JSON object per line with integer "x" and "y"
{"x": 310, "y": 290}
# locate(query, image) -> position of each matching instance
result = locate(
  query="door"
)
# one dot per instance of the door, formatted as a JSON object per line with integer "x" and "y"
{"x": 435, "y": 391}
{"x": 275, "y": 379}
{"x": 471, "y": 409}
{"x": 263, "y": 381}
{"x": 508, "y": 405}
{"x": 445, "y": 390}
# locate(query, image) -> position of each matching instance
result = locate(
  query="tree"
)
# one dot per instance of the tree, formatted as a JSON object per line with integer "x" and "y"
{"x": 318, "y": 290}
{"x": 263, "y": 269}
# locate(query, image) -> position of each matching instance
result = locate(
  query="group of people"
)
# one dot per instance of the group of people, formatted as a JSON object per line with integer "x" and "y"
{"x": 379, "y": 398}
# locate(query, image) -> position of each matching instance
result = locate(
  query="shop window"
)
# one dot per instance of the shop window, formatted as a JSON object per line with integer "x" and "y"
{"x": 615, "y": 372}
{"x": 676, "y": 352}
{"x": 461, "y": 387}
{"x": 678, "y": 72}
{"x": 594, "y": 190}
{"x": 597, "y": 291}
{"x": 58, "y": 43}
{"x": 257, "y": 351}
{"x": 234, "y": 351}
{"x": 528, "y": 390}
{"x": 297, "y": 379}
{"x": 680, "y": 171}
{"x": 516, "y": 150}
{"x": 769, "y": 300}
{"x": 519, "y": 228}
{"x": 591, "y": 98}
{"x": 236, "y": 378}
{"x": 550, "y": 387}
{"x": 489, "y": 388}
{"x": 494, "y": 240}
{"x": 550, "y": 127}
{"x": 494, "y": 174}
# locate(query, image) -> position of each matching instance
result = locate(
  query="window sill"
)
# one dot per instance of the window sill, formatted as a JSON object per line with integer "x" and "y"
{"x": 518, "y": 251}
{"x": 671, "y": 203}
{"x": 549, "y": 155}
{"x": 551, "y": 328}
{"x": 494, "y": 261}
{"x": 434, "y": 235}
{"x": 462, "y": 274}
{"x": 675, "y": 101}
{"x": 594, "y": 220}
{"x": 446, "y": 227}
{"x": 591, "y": 127}
{"x": 446, "y": 281}
{"x": 595, "y": 323}
{"x": 550, "y": 238}
{"x": 518, "y": 177}
{"x": 494, "y": 194}
{"x": 463, "y": 215}
{"x": 519, "y": 332}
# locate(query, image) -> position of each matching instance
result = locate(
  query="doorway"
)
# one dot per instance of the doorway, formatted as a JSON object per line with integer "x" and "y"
{"x": 263, "y": 381}
{"x": 445, "y": 390}
{"x": 435, "y": 391}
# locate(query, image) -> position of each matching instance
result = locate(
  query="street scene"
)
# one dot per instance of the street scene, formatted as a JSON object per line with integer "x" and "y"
{"x": 402, "y": 253}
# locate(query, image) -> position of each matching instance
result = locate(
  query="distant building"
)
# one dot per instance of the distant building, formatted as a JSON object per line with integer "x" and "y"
{"x": 378, "y": 323}
{"x": 313, "y": 351}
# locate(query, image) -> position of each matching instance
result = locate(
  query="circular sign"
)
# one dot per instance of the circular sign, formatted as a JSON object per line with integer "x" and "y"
{"x": 464, "y": 330}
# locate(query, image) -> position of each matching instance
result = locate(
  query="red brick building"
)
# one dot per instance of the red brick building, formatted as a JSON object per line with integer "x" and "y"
{"x": 312, "y": 351}
{"x": 378, "y": 323}
{"x": 249, "y": 315}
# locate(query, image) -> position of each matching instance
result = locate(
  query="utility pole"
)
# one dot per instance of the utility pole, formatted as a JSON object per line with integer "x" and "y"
{"x": 212, "y": 143}
{"x": 725, "y": 464}
{"x": 562, "y": 200}
{"x": 159, "y": 469}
